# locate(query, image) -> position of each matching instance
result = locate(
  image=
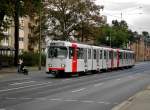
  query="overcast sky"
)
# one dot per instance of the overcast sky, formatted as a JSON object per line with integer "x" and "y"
{"x": 135, "y": 12}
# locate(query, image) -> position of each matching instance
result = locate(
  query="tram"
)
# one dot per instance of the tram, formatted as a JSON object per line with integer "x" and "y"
{"x": 72, "y": 58}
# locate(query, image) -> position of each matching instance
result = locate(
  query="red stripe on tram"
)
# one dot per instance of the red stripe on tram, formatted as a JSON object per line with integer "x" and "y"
{"x": 74, "y": 59}
{"x": 118, "y": 58}
{"x": 112, "y": 59}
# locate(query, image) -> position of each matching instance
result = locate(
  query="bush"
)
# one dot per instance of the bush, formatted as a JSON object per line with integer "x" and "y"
{"x": 6, "y": 61}
{"x": 32, "y": 59}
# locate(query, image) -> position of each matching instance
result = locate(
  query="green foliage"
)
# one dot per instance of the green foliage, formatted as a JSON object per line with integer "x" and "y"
{"x": 6, "y": 60}
{"x": 68, "y": 15}
{"x": 9, "y": 8}
{"x": 32, "y": 59}
{"x": 116, "y": 35}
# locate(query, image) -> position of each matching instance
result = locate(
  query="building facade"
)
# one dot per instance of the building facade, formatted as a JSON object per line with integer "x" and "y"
{"x": 26, "y": 29}
{"x": 142, "y": 49}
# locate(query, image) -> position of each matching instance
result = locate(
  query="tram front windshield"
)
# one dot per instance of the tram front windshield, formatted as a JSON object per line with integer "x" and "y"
{"x": 57, "y": 52}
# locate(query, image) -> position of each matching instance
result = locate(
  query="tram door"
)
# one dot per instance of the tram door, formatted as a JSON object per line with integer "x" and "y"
{"x": 85, "y": 60}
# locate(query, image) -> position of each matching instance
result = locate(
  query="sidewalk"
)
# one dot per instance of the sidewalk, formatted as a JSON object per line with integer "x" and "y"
{"x": 140, "y": 101}
{"x": 13, "y": 70}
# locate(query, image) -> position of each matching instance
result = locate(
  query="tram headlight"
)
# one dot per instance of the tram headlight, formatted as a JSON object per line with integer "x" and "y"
{"x": 50, "y": 65}
{"x": 63, "y": 65}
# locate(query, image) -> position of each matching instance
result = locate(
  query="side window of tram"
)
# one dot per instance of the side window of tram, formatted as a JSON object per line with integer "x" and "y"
{"x": 89, "y": 53}
{"x": 115, "y": 55}
{"x": 110, "y": 55}
{"x": 80, "y": 53}
{"x": 105, "y": 55}
{"x": 94, "y": 54}
{"x": 120, "y": 57}
{"x": 71, "y": 52}
{"x": 100, "y": 54}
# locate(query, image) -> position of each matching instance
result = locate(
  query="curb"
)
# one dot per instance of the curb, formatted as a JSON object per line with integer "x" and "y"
{"x": 129, "y": 101}
{"x": 124, "y": 104}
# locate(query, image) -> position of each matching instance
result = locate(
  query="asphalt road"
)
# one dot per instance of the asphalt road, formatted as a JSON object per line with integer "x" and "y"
{"x": 102, "y": 91}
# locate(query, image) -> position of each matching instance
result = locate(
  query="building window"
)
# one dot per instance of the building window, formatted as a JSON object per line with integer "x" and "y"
{"x": 21, "y": 39}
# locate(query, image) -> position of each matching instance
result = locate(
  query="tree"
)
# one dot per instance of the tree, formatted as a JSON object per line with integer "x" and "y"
{"x": 15, "y": 9}
{"x": 41, "y": 26}
{"x": 145, "y": 34}
{"x": 4, "y": 10}
{"x": 68, "y": 15}
{"x": 103, "y": 38}
{"x": 117, "y": 35}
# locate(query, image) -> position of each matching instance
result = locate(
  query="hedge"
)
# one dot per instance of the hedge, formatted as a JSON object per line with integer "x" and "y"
{"x": 6, "y": 61}
{"x": 32, "y": 59}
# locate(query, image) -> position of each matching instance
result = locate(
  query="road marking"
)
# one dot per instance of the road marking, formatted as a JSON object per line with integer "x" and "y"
{"x": 59, "y": 99}
{"x": 56, "y": 99}
{"x": 87, "y": 101}
{"x": 106, "y": 103}
{"x": 41, "y": 98}
{"x": 22, "y": 83}
{"x": 78, "y": 90}
{"x": 26, "y": 98}
{"x": 5, "y": 90}
{"x": 118, "y": 79}
{"x": 99, "y": 84}
{"x": 70, "y": 100}
{"x": 2, "y": 109}
{"x": 10, "y": 98}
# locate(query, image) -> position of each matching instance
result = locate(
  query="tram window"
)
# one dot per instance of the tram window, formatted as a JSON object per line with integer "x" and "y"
{"x": 124, "y": 55}
{"x": 120, "y": 55}
{"x": 128, "y": 56}
{"x": 115, "y": 54}
{"x": 105, "y": 54}
{"x": 71, "y": 52}
{"x": 97, "y": 54}
{"x": 80, "y": 53}
{"x": 89, "y": 53}
{"x": 94, "y": 54}
{"x": 133, "y": 56}
{"x": 110, "y": 54}
{"x": 57, "y": 52}
{"x": 100, "y": 54}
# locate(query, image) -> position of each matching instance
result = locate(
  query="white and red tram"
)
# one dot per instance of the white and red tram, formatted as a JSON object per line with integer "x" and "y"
{"x": 71, "y": 58}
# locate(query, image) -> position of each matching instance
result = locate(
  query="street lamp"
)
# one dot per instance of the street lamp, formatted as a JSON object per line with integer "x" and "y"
{"x": 108, "y": 38}
{"x": 121, "y": 14}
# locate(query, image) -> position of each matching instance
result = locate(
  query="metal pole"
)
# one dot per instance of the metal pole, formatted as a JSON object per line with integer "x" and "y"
{"x": 40, "y": 39}
{"x": 110, "y": 38}
{"x": 121, "y": 16}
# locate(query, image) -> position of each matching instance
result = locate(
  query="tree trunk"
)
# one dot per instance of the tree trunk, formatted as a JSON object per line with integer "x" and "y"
{"x": 16, "y": 34}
